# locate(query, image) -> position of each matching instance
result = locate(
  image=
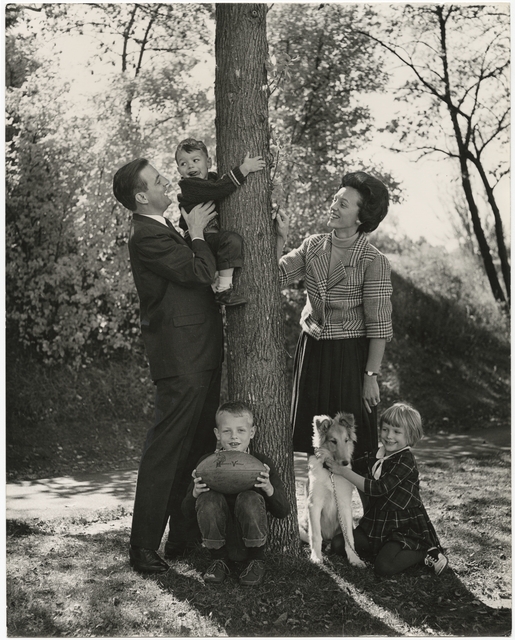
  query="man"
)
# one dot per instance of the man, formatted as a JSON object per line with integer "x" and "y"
{"x": 182, "y": 331}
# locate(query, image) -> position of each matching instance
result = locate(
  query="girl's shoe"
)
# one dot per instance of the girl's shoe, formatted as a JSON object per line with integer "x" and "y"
{"x": 216, "y": 572}
{"x": 436, "y": 560}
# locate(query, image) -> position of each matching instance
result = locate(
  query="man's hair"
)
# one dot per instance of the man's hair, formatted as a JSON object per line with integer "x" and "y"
{"x": 189, "y": 145}
{"x": 236, "y": 409}
{"x": 127, "y": 182}
{"x": 404, "y": 415}
{"x": 373, "y": 196}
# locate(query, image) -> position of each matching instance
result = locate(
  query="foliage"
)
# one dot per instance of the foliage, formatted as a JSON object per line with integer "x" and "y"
{"x": 66, "y": 275}
{"x": 70, "y": 295}
{"x": 69, "y": 292}
{"x": 319, "y": 64}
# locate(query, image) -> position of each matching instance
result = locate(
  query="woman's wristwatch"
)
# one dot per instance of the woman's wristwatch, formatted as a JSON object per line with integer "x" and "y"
{"x": 370, "y": 374}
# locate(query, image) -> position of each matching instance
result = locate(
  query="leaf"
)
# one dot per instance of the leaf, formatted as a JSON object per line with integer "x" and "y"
{"x": 282, "y": 618}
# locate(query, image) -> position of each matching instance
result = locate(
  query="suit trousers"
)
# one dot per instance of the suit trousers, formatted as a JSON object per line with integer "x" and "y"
{"x": 185, "y": 408}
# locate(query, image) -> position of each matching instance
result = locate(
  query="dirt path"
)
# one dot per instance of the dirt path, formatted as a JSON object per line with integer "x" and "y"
{"x": 83, "y": 493}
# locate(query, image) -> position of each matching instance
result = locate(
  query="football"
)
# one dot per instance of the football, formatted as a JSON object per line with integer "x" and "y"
{"x": 230, "y": 471}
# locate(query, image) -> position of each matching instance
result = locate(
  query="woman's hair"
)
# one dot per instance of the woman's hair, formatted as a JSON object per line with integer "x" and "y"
{"x": 127, "y": 182}
{"x": 189, "y": 145}
{"x": 236, "y": 409}
{"x": 403, "y": 415}
{"x": 374, "y": 199}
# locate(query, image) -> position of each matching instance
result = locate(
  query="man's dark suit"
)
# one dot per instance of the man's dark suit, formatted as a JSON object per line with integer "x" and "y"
{"x": 182, "y": 331}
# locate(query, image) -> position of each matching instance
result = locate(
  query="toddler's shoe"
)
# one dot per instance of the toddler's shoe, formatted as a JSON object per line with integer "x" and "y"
{"x": 436, "y": 560}
{"x": 216, "y": 572}
{"x": 253, "y": 573}
{"x": 229, "y": 298}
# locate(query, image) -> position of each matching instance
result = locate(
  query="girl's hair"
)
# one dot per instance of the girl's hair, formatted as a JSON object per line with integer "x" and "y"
{"x": 236, "y": 409}
{"x": 189, "y": 145}
{"x": 404, "y": 415}
{"x": 374, "y": 199}
{"x": 127, "y": 182}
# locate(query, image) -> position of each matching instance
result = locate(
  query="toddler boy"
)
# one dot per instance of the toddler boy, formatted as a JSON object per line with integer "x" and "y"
{"x": 198, "y": 184}
{"x": 228, "y": 521}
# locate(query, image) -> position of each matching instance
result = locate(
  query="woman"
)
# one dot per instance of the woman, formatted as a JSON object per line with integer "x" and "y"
{"x": 346, "y": 321}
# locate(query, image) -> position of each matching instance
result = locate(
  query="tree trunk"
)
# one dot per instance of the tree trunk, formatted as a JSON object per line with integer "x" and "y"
{"x": 499, "y": 230}
{"x": 484, "y": 247}
{"x": 256, "y": 358}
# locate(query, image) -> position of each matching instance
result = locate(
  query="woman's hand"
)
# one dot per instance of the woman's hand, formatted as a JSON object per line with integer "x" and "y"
{"x": 282, "y": 224}
{"x": 198, "y": 486}
{"x": 263, "y": 482}
{"x": 371, "y": 395}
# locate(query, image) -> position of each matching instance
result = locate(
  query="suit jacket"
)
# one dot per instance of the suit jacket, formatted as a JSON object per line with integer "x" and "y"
{"x": 181, "y": 323}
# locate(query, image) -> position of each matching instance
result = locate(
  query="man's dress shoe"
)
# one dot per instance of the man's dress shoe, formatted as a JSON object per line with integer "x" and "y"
{"x": 146, "y": 560}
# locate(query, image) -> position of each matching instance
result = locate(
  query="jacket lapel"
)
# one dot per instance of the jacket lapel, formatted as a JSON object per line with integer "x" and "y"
{"x": 339, "y": 271}
{"x": 338, "y": 274}
{"x": 321, "y": 266}
{"x": 138, "y": 217}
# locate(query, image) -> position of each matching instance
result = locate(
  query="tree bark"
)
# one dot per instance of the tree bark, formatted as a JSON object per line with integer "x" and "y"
{"x": 256, "y": 357}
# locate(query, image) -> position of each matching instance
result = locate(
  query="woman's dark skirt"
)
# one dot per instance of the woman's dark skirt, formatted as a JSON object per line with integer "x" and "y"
{"x": 328, "y": 377}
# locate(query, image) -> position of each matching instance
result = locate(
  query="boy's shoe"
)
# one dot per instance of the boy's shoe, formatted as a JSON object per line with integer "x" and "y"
{"x": 229, "y": 298}
{"x": 436, "y": 560}
{"x": 253, "y": 573}
{"x": 216, "y": 572}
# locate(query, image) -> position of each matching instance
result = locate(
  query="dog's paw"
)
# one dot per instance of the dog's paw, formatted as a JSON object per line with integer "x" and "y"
{"x": 356, "y": 561}
{"x": 315, "y": 558}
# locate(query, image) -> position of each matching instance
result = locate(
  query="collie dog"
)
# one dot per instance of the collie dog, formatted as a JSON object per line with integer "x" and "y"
{"x": 332, "y": 438}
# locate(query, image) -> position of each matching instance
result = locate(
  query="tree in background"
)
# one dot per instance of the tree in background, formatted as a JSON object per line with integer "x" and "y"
{"x": 69, "y": 292}
{"x": 459, "y": 56}
{"x": 255, "y": 332}
{"x": 321, "y": 71}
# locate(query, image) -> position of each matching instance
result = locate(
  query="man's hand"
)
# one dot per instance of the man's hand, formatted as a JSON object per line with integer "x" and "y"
{"x": 263, "y": 482}
{"x": 198, "y": 218}
{"x": 251, "y": 165}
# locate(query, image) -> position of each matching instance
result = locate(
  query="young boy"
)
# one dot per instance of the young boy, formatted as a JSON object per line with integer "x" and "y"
{"x": 198, "y": 185}
{"x": 227, "y": 522}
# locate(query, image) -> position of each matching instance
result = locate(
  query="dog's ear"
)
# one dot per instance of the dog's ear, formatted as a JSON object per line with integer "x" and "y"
{"x": 347, "y": 420}
{"x": 322, "y": 423}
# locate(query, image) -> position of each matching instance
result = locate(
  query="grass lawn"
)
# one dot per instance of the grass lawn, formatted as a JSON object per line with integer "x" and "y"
{"x": 71, "y": 577}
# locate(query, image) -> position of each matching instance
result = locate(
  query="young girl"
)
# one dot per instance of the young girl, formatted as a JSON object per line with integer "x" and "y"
{"x": 395, "y": 527}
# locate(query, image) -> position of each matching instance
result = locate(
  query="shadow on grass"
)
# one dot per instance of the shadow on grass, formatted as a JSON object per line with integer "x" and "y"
{"x": 80, "y": 584}
{"x": 297, "y": 598}
{"x": 434, "y": 604}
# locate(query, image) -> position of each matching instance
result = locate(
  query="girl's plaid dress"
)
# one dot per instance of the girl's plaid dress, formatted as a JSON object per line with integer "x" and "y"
{"x": 395, "y": 511}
